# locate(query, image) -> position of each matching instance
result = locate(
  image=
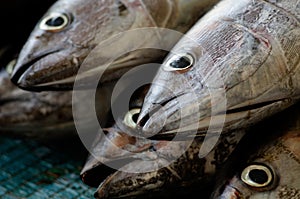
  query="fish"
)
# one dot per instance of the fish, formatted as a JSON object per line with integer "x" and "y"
{"x": 268, "y": 169}
{"x": 238, "y": 65}
{"x": 121, "y": 165}
{"x": 150, "y": 164}
{"x": 70, "y": 30}
{"x": 45, "y": 115}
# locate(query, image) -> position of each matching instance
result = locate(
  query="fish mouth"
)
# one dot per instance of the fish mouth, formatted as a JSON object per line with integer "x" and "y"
{"x": 31, "y": 76}
{"x": 198, "y": 121}
{"x": 95, "y": 172}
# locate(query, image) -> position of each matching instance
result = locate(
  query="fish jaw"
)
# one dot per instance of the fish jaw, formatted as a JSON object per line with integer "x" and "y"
{"x": 33, "y": 74}
{"x": 186, "y": 116}
{"x": 141, "y": 183}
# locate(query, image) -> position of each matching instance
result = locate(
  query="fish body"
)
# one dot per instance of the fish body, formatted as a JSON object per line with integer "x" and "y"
{"x": 70, "y": 30}
{"x": 240, "y": 61}
{"x": 42, "y": 115}
{"x": 268, "y": 169}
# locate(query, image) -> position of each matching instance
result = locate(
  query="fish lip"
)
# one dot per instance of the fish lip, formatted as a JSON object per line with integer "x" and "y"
{"x": 20, "y": 70}
{"x": 232, "y": 112}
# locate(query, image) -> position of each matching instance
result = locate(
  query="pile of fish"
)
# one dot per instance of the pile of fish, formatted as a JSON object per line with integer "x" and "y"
{"x": 217, "y": 115}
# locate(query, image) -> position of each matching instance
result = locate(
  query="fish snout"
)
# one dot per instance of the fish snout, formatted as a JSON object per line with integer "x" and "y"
{"x": 35, "y": 72}
{"x": 146, "y": 128}
{"x": 154, "y": 114}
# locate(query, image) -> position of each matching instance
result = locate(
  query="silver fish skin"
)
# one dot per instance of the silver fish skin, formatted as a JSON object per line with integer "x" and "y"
{"x": 239, "y": 62}
{"x": 268, "y": 169}
{"x": 41, "y": 115}
{"x": 55, "y": 49}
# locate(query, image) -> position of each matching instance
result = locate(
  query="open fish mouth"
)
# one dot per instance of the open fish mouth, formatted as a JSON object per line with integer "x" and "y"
{"x": 32, "y": 76}
{"x": 181, "y": 117}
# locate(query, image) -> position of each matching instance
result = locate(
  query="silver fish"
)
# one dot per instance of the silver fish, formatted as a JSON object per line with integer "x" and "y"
{"x": 70, "y": 30}
{"x": 42, "y": 115}
{"x": 268, "y": 169}
{"x": 240, "y": 59}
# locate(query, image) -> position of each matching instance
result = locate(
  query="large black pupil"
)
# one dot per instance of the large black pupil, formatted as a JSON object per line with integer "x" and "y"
{"x": 55, "y": 21}
{"x": 182, "y": 62}
{"x": 135, "y": 117}
{"x": 258, "y": 176}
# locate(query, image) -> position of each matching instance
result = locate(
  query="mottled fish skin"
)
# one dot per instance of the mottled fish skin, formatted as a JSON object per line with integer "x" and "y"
{"x": 186, "y": 171}
{"x": 279, "y": 153}
{"x": 50, "y": 59}
{"x": 243, "y": 55}
{"x": 42, "y": 115}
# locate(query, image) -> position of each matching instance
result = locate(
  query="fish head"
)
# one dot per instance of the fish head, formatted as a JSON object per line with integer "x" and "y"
{"x": 269, "y": 173}
{"x": 65, "y": 36}
{"x": 151, "y": 171}
{"x": 219, "y": 69}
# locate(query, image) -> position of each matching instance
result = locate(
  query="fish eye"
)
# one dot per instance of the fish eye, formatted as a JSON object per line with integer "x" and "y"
{"x": 180, "y": 62}
{"x": 55, "y": 22}
{"x": 131, "y": 117}
{"x": 257, "y": 176}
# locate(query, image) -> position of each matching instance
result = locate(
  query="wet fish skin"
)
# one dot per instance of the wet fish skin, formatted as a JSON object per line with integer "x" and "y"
{"x": 42, "y": 115}
{"x": 50, "y": 60}
{"x": 278, "y": 151}
{"x": 243, "y": 56}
